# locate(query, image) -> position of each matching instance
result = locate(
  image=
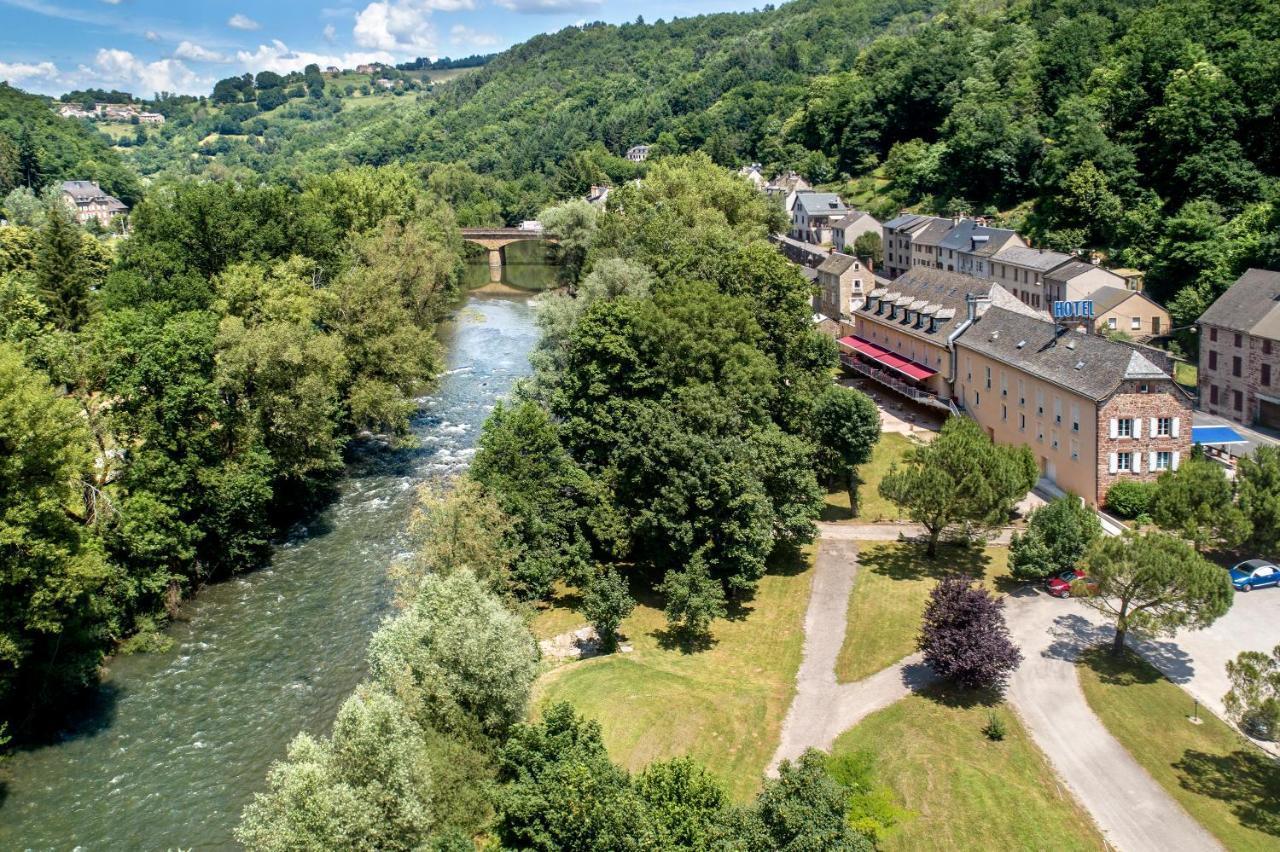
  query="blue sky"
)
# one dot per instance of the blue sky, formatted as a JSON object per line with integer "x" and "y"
{"x": 144, "y": 46}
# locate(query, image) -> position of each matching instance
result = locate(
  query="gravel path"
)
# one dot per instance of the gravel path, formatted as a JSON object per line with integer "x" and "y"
{"x": 1132, "y": 810}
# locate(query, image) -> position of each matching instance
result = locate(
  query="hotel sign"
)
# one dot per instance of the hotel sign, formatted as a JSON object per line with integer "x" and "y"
{"x": 1073, "y": 310}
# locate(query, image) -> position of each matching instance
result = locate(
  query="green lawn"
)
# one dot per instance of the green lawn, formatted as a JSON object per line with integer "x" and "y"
{"x": 724, "y": 706}
{"x": 965, "y": 791}
{"x": 1230, "y": 786}
{"x": 889, "y": 596}
{"x": 872, "y": 507}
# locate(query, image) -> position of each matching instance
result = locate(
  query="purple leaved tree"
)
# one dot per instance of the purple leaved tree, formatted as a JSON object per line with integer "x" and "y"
{"x": 964, "y": 637}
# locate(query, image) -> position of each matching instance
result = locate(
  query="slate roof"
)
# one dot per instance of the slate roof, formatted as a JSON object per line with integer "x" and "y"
{"x": 837, "y": 264}
{"x": 960, "y": 238}
{"x": 942, "y": 292}
{"x": 1109, "y": 298}
{"x": 1074, "y": 269}
{"x": 820, "y": 203}
{"x": 933, "y": 233}
{"x": 1251, "y": 305}
{"x": 1041, "y": 260}
{"x": 1084, "y": 363}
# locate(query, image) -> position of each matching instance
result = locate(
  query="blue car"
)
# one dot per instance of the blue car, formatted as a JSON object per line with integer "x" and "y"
{"x": 1254, "y": 574}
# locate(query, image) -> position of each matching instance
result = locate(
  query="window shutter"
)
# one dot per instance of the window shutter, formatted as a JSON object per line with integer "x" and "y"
{"x": 1137, "y": 427}
{"x": 1176, "y": 457}
{"x": 1137, "y": 462}
{"x": 1111, "y": 466}
{"x": 1175, "y": 427}
{"x": 1155, "y": 427}
{"x": 1115, "y": 430}
{"x": 1151, "y": 462}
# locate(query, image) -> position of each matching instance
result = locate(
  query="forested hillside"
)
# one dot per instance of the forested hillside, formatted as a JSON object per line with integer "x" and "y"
{"x": 37, "y": 147}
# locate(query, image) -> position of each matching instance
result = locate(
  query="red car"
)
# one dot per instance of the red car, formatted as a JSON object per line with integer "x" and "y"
{"x": 1060, "y": 586}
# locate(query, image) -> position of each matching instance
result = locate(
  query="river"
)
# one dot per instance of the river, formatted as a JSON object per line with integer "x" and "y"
{"x": 183, "y": 739}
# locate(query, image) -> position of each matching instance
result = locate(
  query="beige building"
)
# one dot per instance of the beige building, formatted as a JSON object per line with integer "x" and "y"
{"x": 846, "y": 229}
{"x": 1078, "y": 279}
{"x": 841, "y": 285}
{"x": 91, "y": 202}
{"x": 1240, "y": 351}
{"x": 1116, "y": 309}
{"x": 1092, "y": 411}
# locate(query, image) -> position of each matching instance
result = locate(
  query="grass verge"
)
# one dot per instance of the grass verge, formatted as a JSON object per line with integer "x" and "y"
{"x": 872, "y": 507}
{"x": 889, "y": 596}
{"x": 723, "y": 706}
{"x": 1230, "y": 786}
{"x": 965, "y": 791}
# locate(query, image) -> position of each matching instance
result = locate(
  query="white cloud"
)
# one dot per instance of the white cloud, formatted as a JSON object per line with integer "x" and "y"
{"x": 242, "y": 22}
{"x": 462, "y": 35}
{"x": 330, "y": 33}
{"x": 549, "y": 7}
{"x": 151, "y": 35}
{"x": 197, "y": 53}
{"x": 402, "y": 26}
{"x": 112, "y": 2}
{"x": 15, "y": 71}
{"x": 120, "y": 67}
{"x": 279, "y": 58}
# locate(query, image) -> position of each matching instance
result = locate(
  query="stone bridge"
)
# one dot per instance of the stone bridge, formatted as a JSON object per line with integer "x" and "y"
{"x": 497, "y": 239}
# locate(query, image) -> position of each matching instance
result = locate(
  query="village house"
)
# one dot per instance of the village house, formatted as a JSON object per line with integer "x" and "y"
{"x": 1119, "y": 309}
{"x": 598, "y": 195}
{"x": 91, "y": 202}
{"x": 754, "y": 173}
{"x": 812, "y": 215}
{"x": 900, "y": 234}
{"x": 150, "y": 118}
{"x": 846, "y": 229}
{"x": 843, "y": 282}
{"x": 1079, "y": 279}
{"x": 638, "y": 153}
{"x": 969, "y": 245}
{"x": 1240, "y": 351}
{"x": 1022, "y": 270}
{"x": 785, "y": 188}
{"x": 1092, "y": 411}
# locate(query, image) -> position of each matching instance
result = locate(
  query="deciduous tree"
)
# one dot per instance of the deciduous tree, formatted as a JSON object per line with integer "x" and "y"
{"x": 1254, "y": 699}
{"x": 964, "y": 637}
{"x": 845, "y": 428}
{"x": 1058, "y": 536}
{"x": 1197, "y": 502}
{"x": 605, "y": 604}
{"x": 1258, "y": 482}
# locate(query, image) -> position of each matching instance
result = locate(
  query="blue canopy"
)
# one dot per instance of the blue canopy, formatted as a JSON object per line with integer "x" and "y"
{"x": 1215, "y": 435}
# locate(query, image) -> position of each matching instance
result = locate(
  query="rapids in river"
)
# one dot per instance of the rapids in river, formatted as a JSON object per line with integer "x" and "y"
{"x": 178, "y": 742}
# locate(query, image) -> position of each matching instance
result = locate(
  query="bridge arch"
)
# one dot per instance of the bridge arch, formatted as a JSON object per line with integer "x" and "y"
{"x": 497, "y": 239}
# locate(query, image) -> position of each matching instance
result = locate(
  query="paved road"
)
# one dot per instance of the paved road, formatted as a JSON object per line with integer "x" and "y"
{"x": 823, "y": 709}
{"x": 1132, "y": 810}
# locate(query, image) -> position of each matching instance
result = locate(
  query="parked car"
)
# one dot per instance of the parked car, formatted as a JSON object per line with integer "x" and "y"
{"x": 1254, "y": 574}
{"x": 1060, "y": 586}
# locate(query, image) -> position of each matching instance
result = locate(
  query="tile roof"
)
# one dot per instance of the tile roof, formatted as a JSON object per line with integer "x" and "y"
{"x": 1084, "y": 363}
{"x": 1041, "y": 260}
{"x": 1251, "y": 305}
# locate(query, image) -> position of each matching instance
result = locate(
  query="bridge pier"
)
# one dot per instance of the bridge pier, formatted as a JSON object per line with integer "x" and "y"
{"x": 495, "y": 258}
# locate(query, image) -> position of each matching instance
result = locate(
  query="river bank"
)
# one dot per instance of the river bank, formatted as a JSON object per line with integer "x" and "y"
{"x": 181, "y": 740}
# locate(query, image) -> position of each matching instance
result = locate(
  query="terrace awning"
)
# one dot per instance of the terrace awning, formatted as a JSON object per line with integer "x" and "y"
{"x": 883, "y": 356}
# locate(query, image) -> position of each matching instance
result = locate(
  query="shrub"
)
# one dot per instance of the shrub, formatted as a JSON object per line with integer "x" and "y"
{"x": 606, "y": 603}
{"x": 1129, "y": 499}
{"x": 994, "y": 729}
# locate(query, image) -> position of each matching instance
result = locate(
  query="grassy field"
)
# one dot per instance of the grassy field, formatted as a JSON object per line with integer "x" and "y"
{"x": 893, "y": 585}
{"x": 724, "y": 706}
{"x": 1185, "y": 373}
{"x": 872, "y": 507}
{"x": 965, "y": 791}
{"x": 1231, "y": 787}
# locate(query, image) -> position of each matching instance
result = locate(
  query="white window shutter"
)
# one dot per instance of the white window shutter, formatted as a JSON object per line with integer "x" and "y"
{"x": 1155, "y": 426}
{"x": 1112, "y": 457}
{"x": 1137, "y": 427}
{"x": 1176, "y": 457}
{"x": 1151, "y": 462}
{"x": 1137, "y": 462}
{"x": 1115, "y": 431}
{"x": 1175, "y": 428}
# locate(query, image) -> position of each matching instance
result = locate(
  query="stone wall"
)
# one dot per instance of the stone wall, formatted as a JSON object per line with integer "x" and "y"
{"x": 1162, "y": 399}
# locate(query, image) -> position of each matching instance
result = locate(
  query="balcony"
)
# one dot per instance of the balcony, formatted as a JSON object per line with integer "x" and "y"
{"x": 894, "y": 383}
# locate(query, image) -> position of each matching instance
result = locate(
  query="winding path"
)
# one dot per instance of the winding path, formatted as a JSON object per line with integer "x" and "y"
{"x": 1132, "y": 810}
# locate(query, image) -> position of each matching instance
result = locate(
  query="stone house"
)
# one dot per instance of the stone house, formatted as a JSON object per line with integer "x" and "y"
{"x": 784, "y": 189}
{"x": 843, "y": 284}
{"x": 89, "y": 202}
{"x": 904, "y": 239}
{"x": 638, "y": 153}
{"x": 1092, "y": 411}
{"x": 1240, "y": 351}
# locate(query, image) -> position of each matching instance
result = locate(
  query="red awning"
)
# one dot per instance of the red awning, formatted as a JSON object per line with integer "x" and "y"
{"x": 879, "y": 354}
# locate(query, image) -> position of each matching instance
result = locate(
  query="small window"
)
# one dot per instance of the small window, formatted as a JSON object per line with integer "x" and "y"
{"x": 1124, "y": 427}
{"x": 1135, "y": 323}
{"x": 1213, "y": 335}
{"x": 1124, "y": 462}
{"x": 1164, "y": 426}
{"x": 1164, "y": 460}
{"x": 1022, "y": 422}
{"x": 1213, "y": 359}
{"x": 1239, "y": 341}
{"x": 1111, "y": 323}
{"x": 1266, "y": 347}
{"x": 1266, "y": 375}
{"x": 1237, "y": 400}
{"x": 1213, "y": 394}
{"x": 1236, "y": 365}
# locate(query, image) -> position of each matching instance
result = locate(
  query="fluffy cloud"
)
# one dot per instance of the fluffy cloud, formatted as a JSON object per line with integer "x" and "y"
{"x": 402, "y": 26}
{"x": 278, "y": 57}
{"x": 330, "y": 33}
{"x": 191, "y": 50}
{"x": 16, "y": 71}
{"x": 122, "y": 68}
{"x": 242, "y": 22}
{"x": 549, "y": 7}
{"x": 468, "y": 37}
